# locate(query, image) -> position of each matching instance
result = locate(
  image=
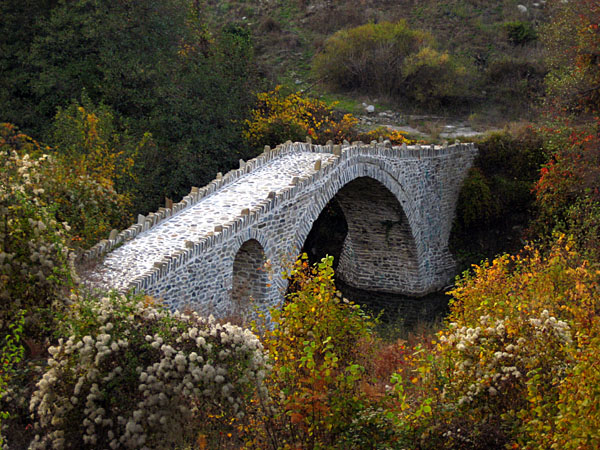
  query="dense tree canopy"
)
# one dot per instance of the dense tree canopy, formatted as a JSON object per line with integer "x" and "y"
{"x": 153, "y": 63}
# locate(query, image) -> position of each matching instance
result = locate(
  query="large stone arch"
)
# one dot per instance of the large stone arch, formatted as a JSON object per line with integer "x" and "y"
{"x": 185, "y": 254}
{"x": 381, "y": 251}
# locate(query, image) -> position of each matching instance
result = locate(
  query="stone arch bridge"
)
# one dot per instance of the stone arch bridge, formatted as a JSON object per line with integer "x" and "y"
{"x": 229, "y": 241}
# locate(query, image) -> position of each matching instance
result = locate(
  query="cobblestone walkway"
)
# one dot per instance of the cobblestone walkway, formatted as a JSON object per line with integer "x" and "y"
{"x": 136, "y": 257}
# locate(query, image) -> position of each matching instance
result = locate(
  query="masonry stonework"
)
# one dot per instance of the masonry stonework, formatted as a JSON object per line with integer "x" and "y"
{"x": 230, "y": 241}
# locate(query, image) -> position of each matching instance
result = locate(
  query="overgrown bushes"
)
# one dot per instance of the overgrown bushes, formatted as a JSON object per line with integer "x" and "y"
{"x": 389, "y": 59}
{"x": 92, "y": 181}
{"x": 568, "y": 184}
{"x": 317, "y": 347}
{"x": 129, "y": 374}
{"x": 515, "y": 365}
{"x": 507, "y": 355}
{"x": 34, "y": 252}
{"x": 520, "y": 33}
{"x": 497, "y": 194}
{"x": 278, "y": 117}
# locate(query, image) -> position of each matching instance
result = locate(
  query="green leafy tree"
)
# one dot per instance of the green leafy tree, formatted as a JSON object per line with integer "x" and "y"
{"x": 19, "y": 26}
{"x": 117, "y": 51}
{"x": 92, "y": 181}
{"x": 200, "y": 118}
{"x": 156, "y": 67}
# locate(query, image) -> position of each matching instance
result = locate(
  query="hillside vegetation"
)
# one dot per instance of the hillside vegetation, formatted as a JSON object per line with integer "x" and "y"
{"x": 107, "y": 107}
{"x": 495, "y": 44}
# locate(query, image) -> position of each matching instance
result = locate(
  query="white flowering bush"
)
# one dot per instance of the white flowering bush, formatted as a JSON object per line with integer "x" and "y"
{"x": 34, "y": 257}
{"x": 500, "y": 374}
{"x": 133, "y": 375}
{"x": 476, "y": 387}
{"x": 492, "y": 363}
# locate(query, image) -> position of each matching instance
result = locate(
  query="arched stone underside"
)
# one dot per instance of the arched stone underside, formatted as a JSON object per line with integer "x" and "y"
{"x": 379, "y": 252}
{"x": 399, "y": 204}
{"x": 250, "y": 278}
{"x": 371, "y": 196}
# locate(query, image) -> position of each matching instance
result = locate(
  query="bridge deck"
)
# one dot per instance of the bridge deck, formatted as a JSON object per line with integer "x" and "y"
{"x": 136, "y": 257}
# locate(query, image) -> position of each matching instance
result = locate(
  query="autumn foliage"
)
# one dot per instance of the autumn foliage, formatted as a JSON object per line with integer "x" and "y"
{"x": 316, "y": 349}
{"x": 520, "y": 332}
{"x": 278, "y": 117}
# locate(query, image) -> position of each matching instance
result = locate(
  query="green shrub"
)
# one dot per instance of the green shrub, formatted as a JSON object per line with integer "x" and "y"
{"x": 511, "y": 161}
{"x": 11, "y": 353}
{"x": 431, "y": 77}
{"x": 520, "y": 33}
{"x": 571, "y": 36}
{"x": 515, "y": 154}
{"x": 318, "y": 348}
{"x": 513, "y": 81}
{"x": 496, "y": 200}
{"x": 130, "y": 374}
{"x": 369, "y": 57}
{"x": 583, "y": 224}
{"x": 476, "y": 206}
{"x": 388, "y": 59}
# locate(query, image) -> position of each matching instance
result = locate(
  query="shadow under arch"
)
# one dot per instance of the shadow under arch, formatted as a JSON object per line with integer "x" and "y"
{"x": 380, "y": 251}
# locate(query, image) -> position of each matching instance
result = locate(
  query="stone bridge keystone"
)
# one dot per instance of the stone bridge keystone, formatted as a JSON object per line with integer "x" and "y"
{"x": 228, "y": 242}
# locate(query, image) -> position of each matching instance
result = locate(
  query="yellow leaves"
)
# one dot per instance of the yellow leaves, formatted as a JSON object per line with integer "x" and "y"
{"x": 201, "y": 443}
{"x": 277, "y": 118}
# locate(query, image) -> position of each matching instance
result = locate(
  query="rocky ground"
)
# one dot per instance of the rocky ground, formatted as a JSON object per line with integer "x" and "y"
{"x": 425, "y": 127}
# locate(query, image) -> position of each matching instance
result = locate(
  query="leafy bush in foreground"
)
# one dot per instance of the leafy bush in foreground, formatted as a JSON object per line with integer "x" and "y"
{"x": 521, "y": 331}
{"x": 11, "y": 353}
{"x": 34, "y": 255}
{"x": 132, "y": 375}
{"x": 318, "y": 347}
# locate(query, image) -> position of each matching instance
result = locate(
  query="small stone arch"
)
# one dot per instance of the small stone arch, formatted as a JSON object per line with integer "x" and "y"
{"x": 250, "y": 279}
